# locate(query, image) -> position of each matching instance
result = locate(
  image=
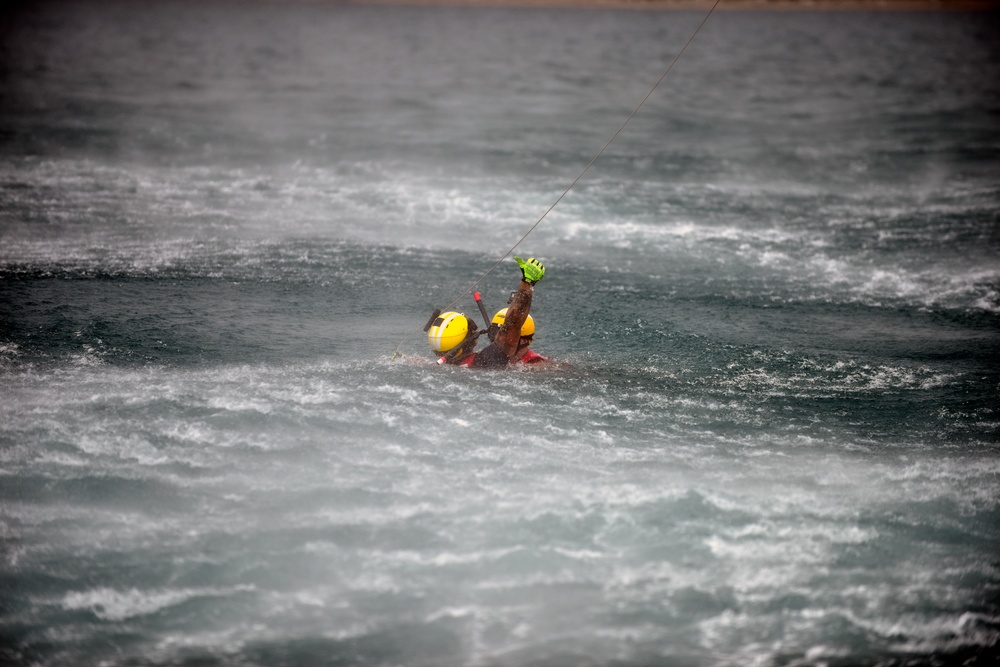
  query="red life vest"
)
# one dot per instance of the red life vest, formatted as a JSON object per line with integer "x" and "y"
{"x": 531, "y": 357}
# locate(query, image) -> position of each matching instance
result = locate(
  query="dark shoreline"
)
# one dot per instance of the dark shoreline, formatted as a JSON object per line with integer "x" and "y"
{"x": 844, "y": 5}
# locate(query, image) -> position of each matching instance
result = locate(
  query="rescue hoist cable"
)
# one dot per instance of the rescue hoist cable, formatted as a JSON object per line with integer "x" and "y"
{"x": 577, "y": 179}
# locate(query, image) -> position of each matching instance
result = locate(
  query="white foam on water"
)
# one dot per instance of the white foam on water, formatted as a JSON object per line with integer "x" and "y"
{"x": 220, "y": 642}
{"x": 9, "y": 354}
{"x": 231, "y": 403}
{"x": 101, "y": 443}
{"x": 841, "y": 377}
{"x": 445, "y": 559}
{"x": 662, "y": 234}
{"x": 399, "y": 512}
{"x": 110, "y": 604}
{"x": 944, "y": 285}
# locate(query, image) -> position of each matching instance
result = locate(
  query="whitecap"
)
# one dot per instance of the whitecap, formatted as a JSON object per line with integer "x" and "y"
{"x": 111, "y": 604}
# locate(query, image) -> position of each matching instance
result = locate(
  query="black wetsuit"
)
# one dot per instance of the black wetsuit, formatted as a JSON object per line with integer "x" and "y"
{"x": 491, "y": 357}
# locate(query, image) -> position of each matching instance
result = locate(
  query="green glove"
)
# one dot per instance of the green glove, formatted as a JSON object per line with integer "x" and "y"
{"x": 532, "y": 270}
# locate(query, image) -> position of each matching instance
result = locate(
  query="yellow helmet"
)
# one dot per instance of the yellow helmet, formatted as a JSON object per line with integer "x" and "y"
{"x": 527, "y": 329}
{"x": 448, "y": 330}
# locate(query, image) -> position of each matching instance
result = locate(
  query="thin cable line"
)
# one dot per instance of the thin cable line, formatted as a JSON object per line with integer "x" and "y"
{"x": 577, "y": 179}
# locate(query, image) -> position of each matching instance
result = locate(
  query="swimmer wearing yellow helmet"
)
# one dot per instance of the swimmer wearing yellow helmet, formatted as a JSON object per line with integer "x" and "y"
{"x": 511, "y": 331}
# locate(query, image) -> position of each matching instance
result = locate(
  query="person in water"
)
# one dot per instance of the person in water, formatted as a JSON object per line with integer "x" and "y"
{"x": 523, "y": 355}
{"x": 511, "y": 331}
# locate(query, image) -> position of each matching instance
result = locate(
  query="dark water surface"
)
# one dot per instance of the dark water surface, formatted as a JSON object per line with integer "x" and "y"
{"x": 774, "y": 437}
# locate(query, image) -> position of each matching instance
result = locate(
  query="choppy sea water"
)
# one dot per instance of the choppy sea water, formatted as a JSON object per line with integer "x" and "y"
{"x": 771, "y": 439}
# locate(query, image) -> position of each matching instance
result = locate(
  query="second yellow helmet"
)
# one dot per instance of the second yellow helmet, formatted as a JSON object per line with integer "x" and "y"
{"x": 527, "y": 329}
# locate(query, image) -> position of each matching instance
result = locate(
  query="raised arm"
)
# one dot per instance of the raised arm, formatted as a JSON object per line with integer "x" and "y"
{"x": 509, "y": 336}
